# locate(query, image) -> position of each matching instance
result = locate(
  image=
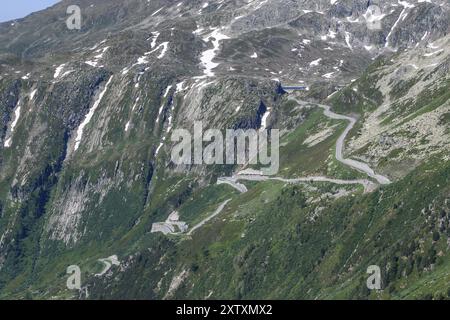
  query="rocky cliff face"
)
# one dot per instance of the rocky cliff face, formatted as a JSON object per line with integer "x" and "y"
{"x": 87, "y": 116}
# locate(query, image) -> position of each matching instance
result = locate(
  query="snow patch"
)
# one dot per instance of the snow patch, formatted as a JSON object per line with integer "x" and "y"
{"x": 372, "y": 16}
{"x": 32, "y": 94}
{"x": 328, "y": 75}
{"x": 157, "y": 11}
{"x": 164, "y": 46}
{"x": 154, "y": 39}
{"x": 159, "y": 148}
{"x": 58, "y": 71}
{"x": 8, "y": 141}
{"x": 264, "y": 119}
{"x": 88, "y": 117}
{"x": 167, "y": 90}
{"x": 315, "y": 62}
{"x": 179, "y": 87}
{"x": 208, "y": 56}
{"x": 347, "y": 40}
{"x": 402, "y": 17}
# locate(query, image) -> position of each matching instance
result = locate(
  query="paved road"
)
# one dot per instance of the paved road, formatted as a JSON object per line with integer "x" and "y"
{"x": 108, "y": 262}
{"x": 361, "y": 166}
{"x": 216, "y": 213}
{"x": 233, "y": 181}
{"x": 369, "y": 186}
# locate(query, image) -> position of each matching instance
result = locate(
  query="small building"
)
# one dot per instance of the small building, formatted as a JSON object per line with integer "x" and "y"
{"x": 290, "y": 88}
{"x": 171, "y": 225}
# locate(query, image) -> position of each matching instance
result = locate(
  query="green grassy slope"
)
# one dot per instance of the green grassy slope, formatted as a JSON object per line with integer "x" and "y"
{"x": 268, "y": 243}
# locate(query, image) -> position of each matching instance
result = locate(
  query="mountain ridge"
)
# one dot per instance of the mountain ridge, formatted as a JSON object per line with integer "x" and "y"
{"x": 85, "y": 168}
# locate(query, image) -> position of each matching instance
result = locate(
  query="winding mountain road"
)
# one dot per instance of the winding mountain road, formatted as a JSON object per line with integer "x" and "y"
{"x": 234, "y": 181}
{"x": 360, "y": 166}
{"x": 369, "y": 186}
{"x": 108, "y": 263}
{"x": 217, "y": 212}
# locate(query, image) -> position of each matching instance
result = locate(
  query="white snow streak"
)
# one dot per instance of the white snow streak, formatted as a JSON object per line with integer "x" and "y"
{"x": 315, "y": 62}
{"x": 88, "y": 117}
{"x": 208, "y": 56}
{"x": 8, "y": 141}
{"x": 58, "y": 71}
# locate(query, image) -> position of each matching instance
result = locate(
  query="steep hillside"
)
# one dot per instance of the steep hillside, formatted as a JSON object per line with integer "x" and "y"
{"x": 87, "y": 177}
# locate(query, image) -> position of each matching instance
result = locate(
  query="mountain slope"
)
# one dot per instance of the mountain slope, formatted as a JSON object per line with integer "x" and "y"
{"x": 85, "y": 144}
